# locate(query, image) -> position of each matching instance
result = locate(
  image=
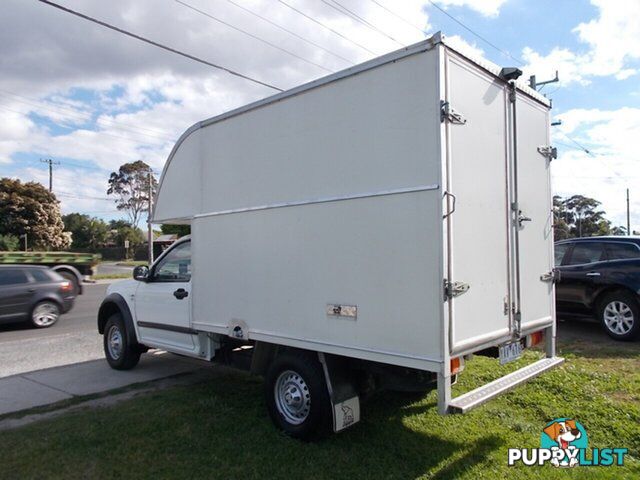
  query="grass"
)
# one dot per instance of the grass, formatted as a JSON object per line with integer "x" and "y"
{"x": 220, "y": 429}
{"x": 110, "y": 276}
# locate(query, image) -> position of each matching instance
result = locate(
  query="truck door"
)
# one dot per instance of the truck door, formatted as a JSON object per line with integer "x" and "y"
{"x": 478, "y": 228}
{"x": 531, "y": 212}
{"x": 163, "y": 304}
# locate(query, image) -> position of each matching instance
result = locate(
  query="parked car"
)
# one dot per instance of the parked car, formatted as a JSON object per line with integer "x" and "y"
{"x": 600, "y": 277}
{"x": 33, "y": 293}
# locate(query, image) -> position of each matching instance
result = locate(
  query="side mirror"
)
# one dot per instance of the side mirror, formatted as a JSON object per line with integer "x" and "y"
{"x": 141, "y": 273}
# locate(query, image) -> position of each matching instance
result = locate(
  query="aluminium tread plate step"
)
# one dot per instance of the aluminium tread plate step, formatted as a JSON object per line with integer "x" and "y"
{"x": 480, "y": 395}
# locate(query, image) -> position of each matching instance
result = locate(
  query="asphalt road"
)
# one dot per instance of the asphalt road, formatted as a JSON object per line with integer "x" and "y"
{"x": 74, "y": 338}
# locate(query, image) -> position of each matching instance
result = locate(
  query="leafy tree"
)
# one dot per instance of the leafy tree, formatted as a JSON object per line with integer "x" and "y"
{"x": 30, "y": 208}
{"x": 619, "y": 230}
{"x": 130, "y": 184}
{"x": 579, "y": 216}
{"x": 180, "y": 230}
{"x": 121, "y": 230}
{"x": 9, "y": 243}
{"x": 86, "y": 232}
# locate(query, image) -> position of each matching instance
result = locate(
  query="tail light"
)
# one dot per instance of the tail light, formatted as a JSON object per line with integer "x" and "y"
{"x": 535, "y": 338}
{"x": 457, "y": 365}
{"x": 66, "y": 286}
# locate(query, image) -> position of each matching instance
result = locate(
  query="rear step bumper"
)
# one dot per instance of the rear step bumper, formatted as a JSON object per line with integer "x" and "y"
{"x": 480, "y": 395}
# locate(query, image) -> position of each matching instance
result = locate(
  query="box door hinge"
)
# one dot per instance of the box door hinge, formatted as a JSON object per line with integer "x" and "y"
{"x": 548, "y": 151}
{"x": 448, "y": 113}
{"x": 455, "y": 289}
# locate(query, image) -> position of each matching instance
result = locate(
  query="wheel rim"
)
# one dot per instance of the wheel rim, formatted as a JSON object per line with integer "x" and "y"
{"x": 114, "y": 342}
{"x": 45, "y": 314}
{"x": 293, "y": 398}
{"x": 618, "y": 317}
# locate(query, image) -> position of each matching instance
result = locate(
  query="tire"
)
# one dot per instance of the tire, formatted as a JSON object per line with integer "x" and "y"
{"x": 74, "y": 282}
{"x": 297, "y": 397}
{"x": 619, "y": 314}
{"x": 119, "y": 353}
{"x": 45, "y": 313}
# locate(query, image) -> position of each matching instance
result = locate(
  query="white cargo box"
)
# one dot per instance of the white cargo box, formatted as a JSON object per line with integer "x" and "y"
{"x": 398, "y": 211}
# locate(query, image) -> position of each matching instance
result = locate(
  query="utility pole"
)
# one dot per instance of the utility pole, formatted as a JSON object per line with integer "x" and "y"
{"x": 149, "y": 229}
{"x": 628, "y": 216}
{"x": 51, "y": 163}
{"x": 24, "y": 235}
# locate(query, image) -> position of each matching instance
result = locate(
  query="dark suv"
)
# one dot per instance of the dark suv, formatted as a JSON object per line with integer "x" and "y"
{"x": 600, "y": 276}
{"x": 33, "y": 293}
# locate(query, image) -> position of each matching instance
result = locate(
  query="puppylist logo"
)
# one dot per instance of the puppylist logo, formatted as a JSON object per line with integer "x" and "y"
{"x": 564, "y": 444}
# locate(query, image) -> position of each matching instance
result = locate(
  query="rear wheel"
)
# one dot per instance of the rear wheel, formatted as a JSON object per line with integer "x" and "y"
{"x": 119, "y": 353}
{"x": 45, "y": 314}
{"x": 297, "y": 397}
{"x": 619, "y": 314}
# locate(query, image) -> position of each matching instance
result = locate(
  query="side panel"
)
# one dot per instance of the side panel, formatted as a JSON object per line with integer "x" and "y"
{"x": 275, "y": 271}
{"x": 479, "y": 227}
{"x": 534, "y": 200}
{"x": 376, "y": 130}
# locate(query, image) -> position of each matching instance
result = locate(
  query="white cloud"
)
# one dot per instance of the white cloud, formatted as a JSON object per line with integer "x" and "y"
{"x": 489, "y": 8}
{"x": 611, "y": 136}
{"x": 464, "y": 47}
{"x": 613, "y": 41}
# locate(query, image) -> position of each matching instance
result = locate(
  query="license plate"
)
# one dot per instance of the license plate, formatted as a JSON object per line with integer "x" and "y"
{"x": 510, "y": 352}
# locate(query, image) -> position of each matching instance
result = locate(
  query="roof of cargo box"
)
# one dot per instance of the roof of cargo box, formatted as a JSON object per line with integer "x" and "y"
{"x": 180, "y": 194}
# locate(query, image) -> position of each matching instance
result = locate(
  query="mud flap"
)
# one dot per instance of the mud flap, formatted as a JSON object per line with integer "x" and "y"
{"x": 345, "y": 402}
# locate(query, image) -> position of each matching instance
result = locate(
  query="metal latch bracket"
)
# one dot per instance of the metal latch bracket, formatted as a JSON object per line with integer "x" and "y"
{"x": 548, "y": 151}
{"x": 448, "y": 113}
{"x": 455, "y": 289}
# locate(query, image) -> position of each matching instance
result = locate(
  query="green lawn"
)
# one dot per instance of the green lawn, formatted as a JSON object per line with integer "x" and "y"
{"x": 221, "y": 430}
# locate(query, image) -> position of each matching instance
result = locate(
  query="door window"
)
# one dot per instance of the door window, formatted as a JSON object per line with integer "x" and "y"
{"x": 621, "y": 251}
{"x": 175, "y": 266}
{"x": 587, "y": 252}
{"x": 10, "y": 276}
{"x": 559, "y": 252}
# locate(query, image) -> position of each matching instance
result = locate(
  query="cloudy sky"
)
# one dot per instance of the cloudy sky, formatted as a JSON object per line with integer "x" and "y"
{"x": 92, "y": 99}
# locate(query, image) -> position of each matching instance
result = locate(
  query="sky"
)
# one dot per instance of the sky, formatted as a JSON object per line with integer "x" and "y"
{"x": 92, "y": 99}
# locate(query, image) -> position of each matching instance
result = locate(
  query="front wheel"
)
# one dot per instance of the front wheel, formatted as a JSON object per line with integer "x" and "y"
{"x": 620, "y": 315}
{"x": 119, "y": 353}
{"x": 297, "y": 397}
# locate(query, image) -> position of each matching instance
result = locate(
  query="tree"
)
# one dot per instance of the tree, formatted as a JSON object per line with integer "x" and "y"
{"x": 618, "y": 231}
{"x": 30, "y": 208}
{"x": 121, "y": 230}
{"x": 130, "y": 184}
{"x": 180, "y": 230}
{"x": 578, "y": 216}
{"x": 9, "y": 243}
{"x": 86, "y": 232}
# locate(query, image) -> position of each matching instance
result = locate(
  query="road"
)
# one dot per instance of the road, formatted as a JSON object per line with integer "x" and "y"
{"x": 73, "y": 339}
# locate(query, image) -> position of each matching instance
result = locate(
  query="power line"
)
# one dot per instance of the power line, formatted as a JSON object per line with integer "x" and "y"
{"x": 159, "y": 45}
{"x": 80, "y": 116}
{"x": 325, "y": 26}
{"x": 310, "y": 42}
{"x": 400, "y": 17}
{"x": 581, "y": 147}
{"x": 345, "y": 11}
{"x": 504, "y": 52}
{"x": 266, "y": 42}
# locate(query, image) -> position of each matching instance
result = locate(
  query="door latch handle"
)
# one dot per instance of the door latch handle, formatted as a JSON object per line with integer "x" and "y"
{"x": 180, "y": 293}
{"x": 522, "y": 218}
{"x": 593, "y": 274}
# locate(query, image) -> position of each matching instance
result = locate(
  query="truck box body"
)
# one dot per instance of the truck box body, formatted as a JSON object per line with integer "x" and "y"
{"x": 398, "y": 212}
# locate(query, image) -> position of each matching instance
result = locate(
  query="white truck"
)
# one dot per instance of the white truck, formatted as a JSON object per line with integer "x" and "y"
{"x": 370, "y": 229}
